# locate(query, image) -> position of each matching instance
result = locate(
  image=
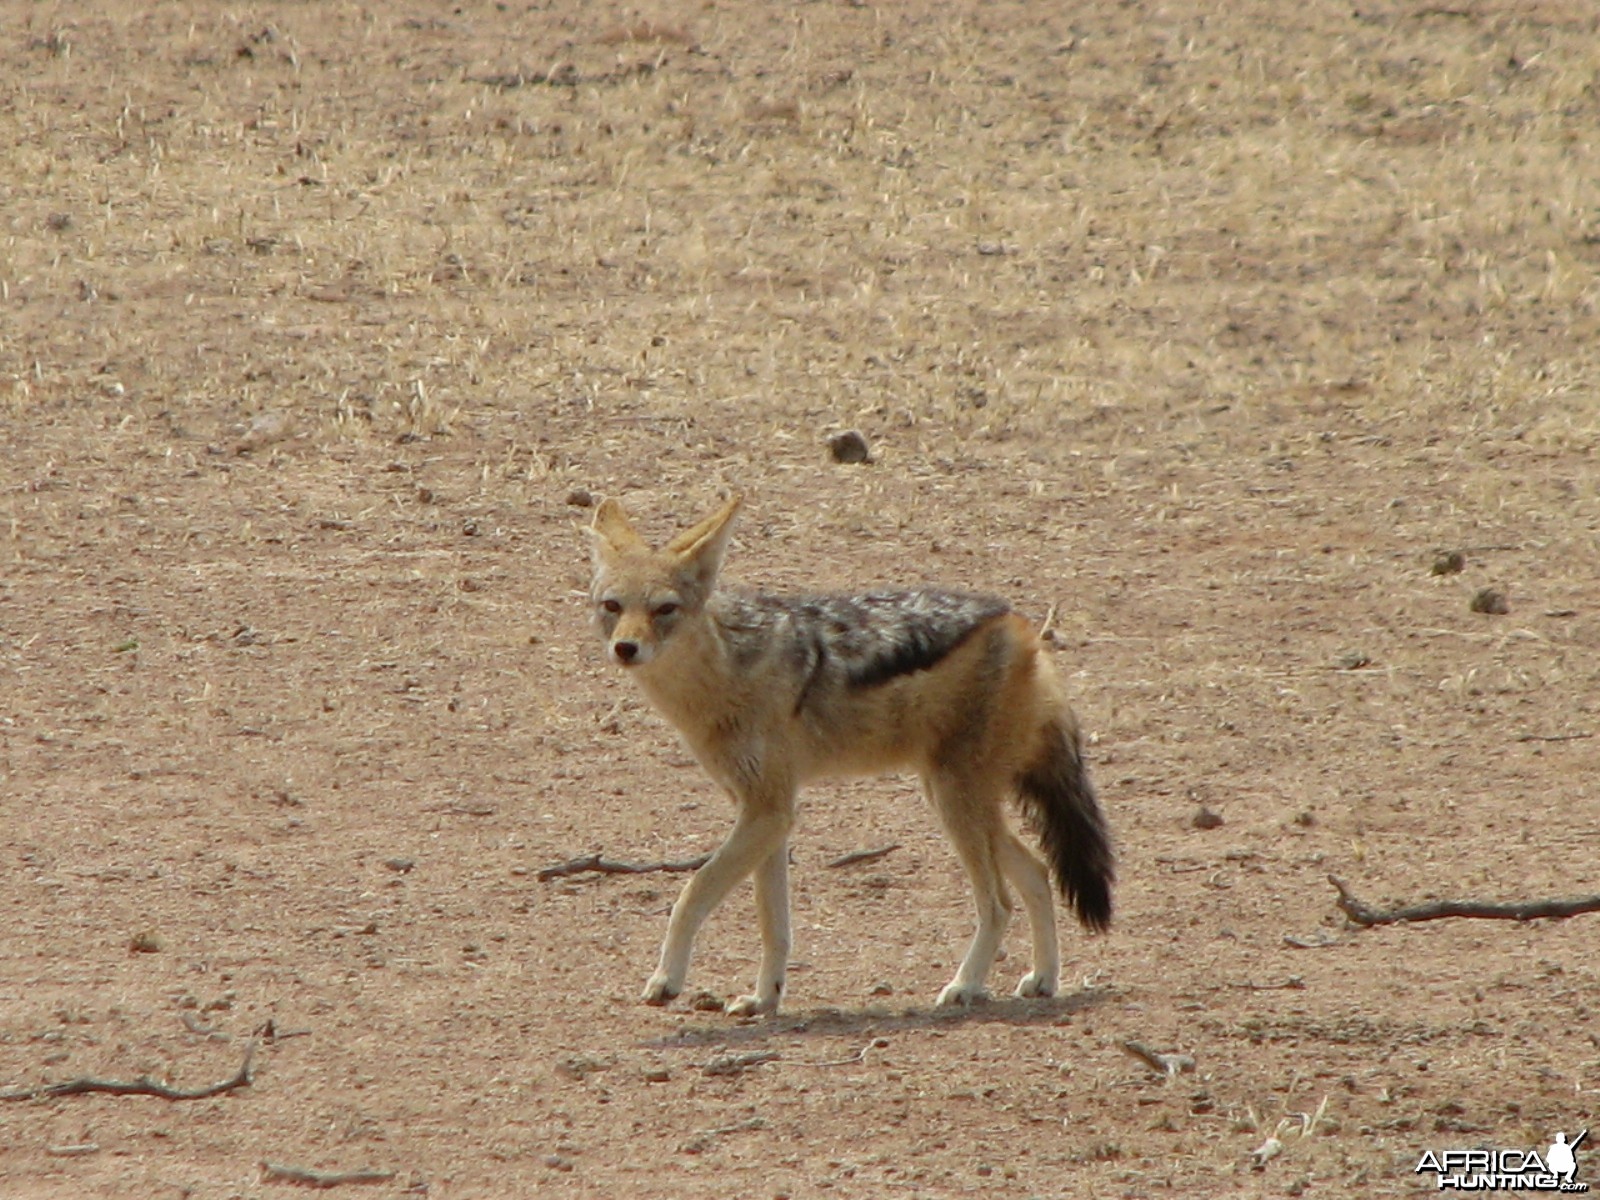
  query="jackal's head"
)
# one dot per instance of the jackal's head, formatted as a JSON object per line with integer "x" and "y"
{"x": 643, "y": 595}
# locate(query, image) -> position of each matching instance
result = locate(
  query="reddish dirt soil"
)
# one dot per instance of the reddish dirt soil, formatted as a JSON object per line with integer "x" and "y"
{"x": 1204, "y": 335}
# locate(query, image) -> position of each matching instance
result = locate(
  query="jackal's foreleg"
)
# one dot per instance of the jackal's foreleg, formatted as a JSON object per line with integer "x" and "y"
{"x": 772, "y": 914}
{"x": 758, "y": 835}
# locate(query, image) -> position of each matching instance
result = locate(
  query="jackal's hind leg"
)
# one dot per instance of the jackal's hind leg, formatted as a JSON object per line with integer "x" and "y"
{"x": 972, "y": 819}
{"x": 1032, "y": 881}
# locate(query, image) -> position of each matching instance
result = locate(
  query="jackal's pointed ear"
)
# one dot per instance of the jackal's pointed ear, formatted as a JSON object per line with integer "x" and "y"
{"x": 612, "y": 530}
{"x": 700, "y": 547}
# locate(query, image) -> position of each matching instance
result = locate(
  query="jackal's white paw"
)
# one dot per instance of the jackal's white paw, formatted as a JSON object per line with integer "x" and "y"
{"x": 660, "y": 990}
{"x": 1035, "y": 985}
{"x": 752, "y": 1006}
{"x": 961, "y": 995}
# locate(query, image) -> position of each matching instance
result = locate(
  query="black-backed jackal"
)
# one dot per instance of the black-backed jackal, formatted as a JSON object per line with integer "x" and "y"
{"x": 772, "y": 691}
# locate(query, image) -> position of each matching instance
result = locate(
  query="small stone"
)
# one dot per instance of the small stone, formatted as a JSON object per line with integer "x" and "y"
{"x": 1206, "y": 819}
{"x": 265, "y": 429}
{"x": 580, "y": 498}
{"x": 1487, "y": 600}
{"x": 1448, "y": 562}
{"x": 707, "y": 1002}
{"x": 146, "y": 941}
{"x": 882, "y": 989}
{"x": 849, "y": 447}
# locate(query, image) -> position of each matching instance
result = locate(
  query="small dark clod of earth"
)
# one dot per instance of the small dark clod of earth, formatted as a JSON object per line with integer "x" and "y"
{"x": 580, "y": 498}
{"x": 849, "y": 447}
{"x": 1450, "y": 562}
{"x": 1206, "y": 818}
{"x": 1488, "y": 600}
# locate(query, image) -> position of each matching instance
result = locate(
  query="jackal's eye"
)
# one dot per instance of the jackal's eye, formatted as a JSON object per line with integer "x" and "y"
{"x": 665, "y": 610}
{"x": 611, "y": 606}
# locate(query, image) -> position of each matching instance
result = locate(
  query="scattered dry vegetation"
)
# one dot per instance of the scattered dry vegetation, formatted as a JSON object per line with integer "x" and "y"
{"x": 1207, "y": 330}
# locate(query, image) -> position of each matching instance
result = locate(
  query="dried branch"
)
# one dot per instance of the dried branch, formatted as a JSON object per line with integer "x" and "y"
{"x": 1532, "y": 910}
{"x": 860, "y": 1056}
{"x": 1292, "y": 983}
{"x": 272, "y": 1172}
{"x": 565, "y": 75}
{"x": 863, "y": 856}
{"x": 605, "y": 866}
{"x": 735, "y": 1064}
{"x": 142, "y": 1086}
{"x": 1162, "y": 1064}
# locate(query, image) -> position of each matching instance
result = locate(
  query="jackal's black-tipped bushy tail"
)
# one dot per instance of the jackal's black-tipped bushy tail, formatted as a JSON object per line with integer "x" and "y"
{"x": 1059, "y": 802}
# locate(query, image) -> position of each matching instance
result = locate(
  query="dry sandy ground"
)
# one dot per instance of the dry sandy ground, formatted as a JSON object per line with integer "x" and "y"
{"x": 1205, "y": 334}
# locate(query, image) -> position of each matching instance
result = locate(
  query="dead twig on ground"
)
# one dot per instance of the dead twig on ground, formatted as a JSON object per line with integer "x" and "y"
{"x": 606, "y": 866}
{"x": 1434, "y": 910}
{"x": 566, "y": 75}
{"x": 863, "y": 856}
{"x": 142, "y": 1086}
{"x": 737, "y": 1127}
{"x": 860, "y": 1056}
{"x": 269, "y": 1032}
{"x": 1292, "y": 983}
{"x": 734, "y": 1064}
{"x": 272, "y": 1172}
{"x": 1162, "y": 1064}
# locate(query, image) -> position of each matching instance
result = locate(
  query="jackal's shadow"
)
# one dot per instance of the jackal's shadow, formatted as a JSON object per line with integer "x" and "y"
{"x": 876, "y": 1020}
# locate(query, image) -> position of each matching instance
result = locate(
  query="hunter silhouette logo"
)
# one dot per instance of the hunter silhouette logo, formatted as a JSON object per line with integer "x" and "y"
{"x": 1482, "y": 1170}
{"x": 1560, "y": 1159}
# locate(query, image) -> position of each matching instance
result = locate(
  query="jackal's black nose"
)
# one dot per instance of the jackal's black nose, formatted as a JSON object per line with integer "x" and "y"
{"x": 626, "y": 652}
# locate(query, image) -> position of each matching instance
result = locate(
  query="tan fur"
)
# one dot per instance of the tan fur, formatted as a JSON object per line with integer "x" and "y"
{"x": 970, "y": 724}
